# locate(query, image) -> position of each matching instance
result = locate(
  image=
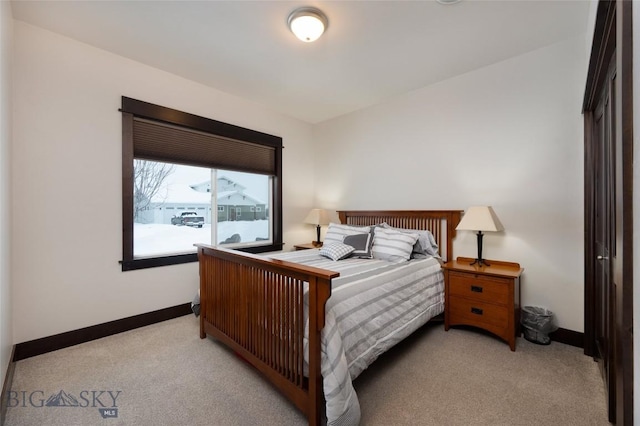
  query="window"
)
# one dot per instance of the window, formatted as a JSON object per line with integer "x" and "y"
{"x": 172, "y": 157}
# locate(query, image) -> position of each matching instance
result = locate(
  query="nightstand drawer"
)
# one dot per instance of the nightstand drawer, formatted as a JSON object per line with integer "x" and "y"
{"x": 471, "y": 312}
{"x": 481, "y": 288}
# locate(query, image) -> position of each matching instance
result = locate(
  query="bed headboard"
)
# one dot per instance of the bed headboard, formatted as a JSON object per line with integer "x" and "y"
{"x": 441, "y": 223}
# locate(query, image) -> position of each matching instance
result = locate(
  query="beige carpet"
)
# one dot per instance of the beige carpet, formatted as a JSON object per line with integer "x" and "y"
{"x": 166, "y": 375}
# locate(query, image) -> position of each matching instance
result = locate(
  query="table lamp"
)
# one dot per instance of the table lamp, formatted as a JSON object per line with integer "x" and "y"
{"x": 317, "y": 217}
{"x": 480, "y": 219}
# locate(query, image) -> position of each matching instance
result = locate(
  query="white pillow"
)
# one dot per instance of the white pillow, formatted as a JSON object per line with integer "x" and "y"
{"x": 336, "y": 251}
{"x": 393, "y": 246}
{"x": 336, "y": 232}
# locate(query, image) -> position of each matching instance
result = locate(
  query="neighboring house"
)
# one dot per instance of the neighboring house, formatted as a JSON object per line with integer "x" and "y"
{"x": 174, "y": 199}
{"x": 233, "y": 202}
{"x": 234, "y": 205}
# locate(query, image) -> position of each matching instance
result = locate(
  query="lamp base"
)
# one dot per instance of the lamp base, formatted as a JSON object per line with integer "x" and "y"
{"x": 317, "y": 242}
{"x": 480, "y": 262}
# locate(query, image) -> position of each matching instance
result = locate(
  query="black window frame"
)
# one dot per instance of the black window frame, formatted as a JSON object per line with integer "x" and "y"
{"x": 132, "y": 109}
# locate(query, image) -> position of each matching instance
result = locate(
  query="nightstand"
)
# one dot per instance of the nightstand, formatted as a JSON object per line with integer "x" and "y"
{"x": 306, "y": 246}
{"x": 486, "y": 297}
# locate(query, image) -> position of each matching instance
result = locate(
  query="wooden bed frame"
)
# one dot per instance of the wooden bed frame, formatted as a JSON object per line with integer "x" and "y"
{"x": 255, "y": 305}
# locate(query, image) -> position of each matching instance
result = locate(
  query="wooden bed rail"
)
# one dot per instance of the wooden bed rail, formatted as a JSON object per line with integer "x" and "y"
{"x": 256, "y": 306}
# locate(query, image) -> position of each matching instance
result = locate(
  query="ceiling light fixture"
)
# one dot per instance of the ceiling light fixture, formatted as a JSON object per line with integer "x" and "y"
{"x": 307, "y": 23}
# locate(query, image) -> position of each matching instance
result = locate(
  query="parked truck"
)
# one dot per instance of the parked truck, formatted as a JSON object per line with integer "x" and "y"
{"x": 188, "y": 219}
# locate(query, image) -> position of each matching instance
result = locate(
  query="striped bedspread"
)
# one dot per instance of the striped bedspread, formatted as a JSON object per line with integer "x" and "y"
{"x": 374, "y": 304}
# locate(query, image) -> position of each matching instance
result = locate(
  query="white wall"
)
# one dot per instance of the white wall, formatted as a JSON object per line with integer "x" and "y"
{"x": 67, "y": 153}
{"x": 508, "y": 135}
{"x": 6, "y": 40}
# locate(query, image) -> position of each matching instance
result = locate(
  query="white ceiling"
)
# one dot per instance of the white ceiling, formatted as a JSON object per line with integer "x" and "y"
{"x": 372, "y": 50}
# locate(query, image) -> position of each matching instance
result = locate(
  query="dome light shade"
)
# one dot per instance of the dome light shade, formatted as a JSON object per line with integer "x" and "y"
{"x": 307, "y": 23}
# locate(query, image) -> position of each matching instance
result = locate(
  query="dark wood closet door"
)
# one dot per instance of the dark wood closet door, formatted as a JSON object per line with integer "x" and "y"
{"x": 603, "y": 169}
{"x": 608, "y": 113}
{"x": 622, "y": 255}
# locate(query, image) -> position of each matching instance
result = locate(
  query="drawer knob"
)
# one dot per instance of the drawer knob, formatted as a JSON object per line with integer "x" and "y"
{"x": 476, "y": 288}
{"x": 476, "y": 311}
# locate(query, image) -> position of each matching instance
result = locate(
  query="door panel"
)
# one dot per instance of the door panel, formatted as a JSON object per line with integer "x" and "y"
{"x": 604, "y": 307}
{"x": 608, "y": 110}
{"x": 622, "y": 261}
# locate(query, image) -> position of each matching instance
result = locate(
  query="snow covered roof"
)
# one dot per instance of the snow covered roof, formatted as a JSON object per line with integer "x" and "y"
{"x": 255, "y": 199}
{"x": 237, "y": 198}
{"x": 223, "y": 181}
{"x": 180, "y": 193}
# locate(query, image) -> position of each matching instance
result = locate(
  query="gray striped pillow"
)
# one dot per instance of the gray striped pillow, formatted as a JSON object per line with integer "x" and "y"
{"x": 426, "y": 244}
{"x": 336, "y": 232}
{"x": 393, "y": 246}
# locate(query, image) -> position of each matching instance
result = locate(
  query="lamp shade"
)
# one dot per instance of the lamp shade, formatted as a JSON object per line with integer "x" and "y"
{"x": 480, "y": 218}
{"x": 317, "y": 217}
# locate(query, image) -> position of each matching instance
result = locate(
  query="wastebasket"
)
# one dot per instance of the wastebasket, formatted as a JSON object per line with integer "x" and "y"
{"x": 537, "y": 323}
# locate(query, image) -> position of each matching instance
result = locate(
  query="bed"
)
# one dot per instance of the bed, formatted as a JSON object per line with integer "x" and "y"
{"x": 278, "y": 312}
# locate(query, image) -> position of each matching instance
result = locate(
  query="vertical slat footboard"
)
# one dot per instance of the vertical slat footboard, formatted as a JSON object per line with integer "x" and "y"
{"x": 256, "y": 306}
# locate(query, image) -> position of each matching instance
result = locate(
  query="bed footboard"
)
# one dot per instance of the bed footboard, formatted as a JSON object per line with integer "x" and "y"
{"x": 257, "y": 307}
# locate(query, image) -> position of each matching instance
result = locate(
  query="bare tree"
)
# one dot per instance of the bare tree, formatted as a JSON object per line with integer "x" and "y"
{"x": 148, "y": 177}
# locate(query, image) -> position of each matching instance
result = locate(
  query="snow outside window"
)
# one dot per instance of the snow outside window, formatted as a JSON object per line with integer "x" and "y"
{"x": 163, "y": 226}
